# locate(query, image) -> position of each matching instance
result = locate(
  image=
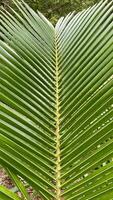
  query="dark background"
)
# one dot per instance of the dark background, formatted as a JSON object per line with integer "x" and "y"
{"x": 54, "y": 9}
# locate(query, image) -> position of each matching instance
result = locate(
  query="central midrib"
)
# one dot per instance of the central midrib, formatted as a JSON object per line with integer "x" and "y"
{"x": 57, "y": 131}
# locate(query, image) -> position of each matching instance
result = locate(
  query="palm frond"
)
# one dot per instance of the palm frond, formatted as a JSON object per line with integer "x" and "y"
{"x": 7, "y": 195}
{"x": 56, "y": 121}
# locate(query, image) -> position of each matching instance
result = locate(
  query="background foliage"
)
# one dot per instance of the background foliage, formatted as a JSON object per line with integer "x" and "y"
{"x": 54, "y": 9}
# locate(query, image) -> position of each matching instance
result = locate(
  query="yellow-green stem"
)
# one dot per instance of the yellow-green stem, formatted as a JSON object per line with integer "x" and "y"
{"x": 58, "y": 182}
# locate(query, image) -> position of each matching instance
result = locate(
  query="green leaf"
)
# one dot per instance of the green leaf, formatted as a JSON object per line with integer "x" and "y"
{"x": 56, "y": 92}
{"x": 6, "y": 194}
{"x": 19, "y": 184}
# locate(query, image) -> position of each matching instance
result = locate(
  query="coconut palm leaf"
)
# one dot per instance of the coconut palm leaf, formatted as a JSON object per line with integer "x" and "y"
{"x": 19, "y": 185}
{"x": 56, "y": 121}
{"x": 7, "y": 195}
